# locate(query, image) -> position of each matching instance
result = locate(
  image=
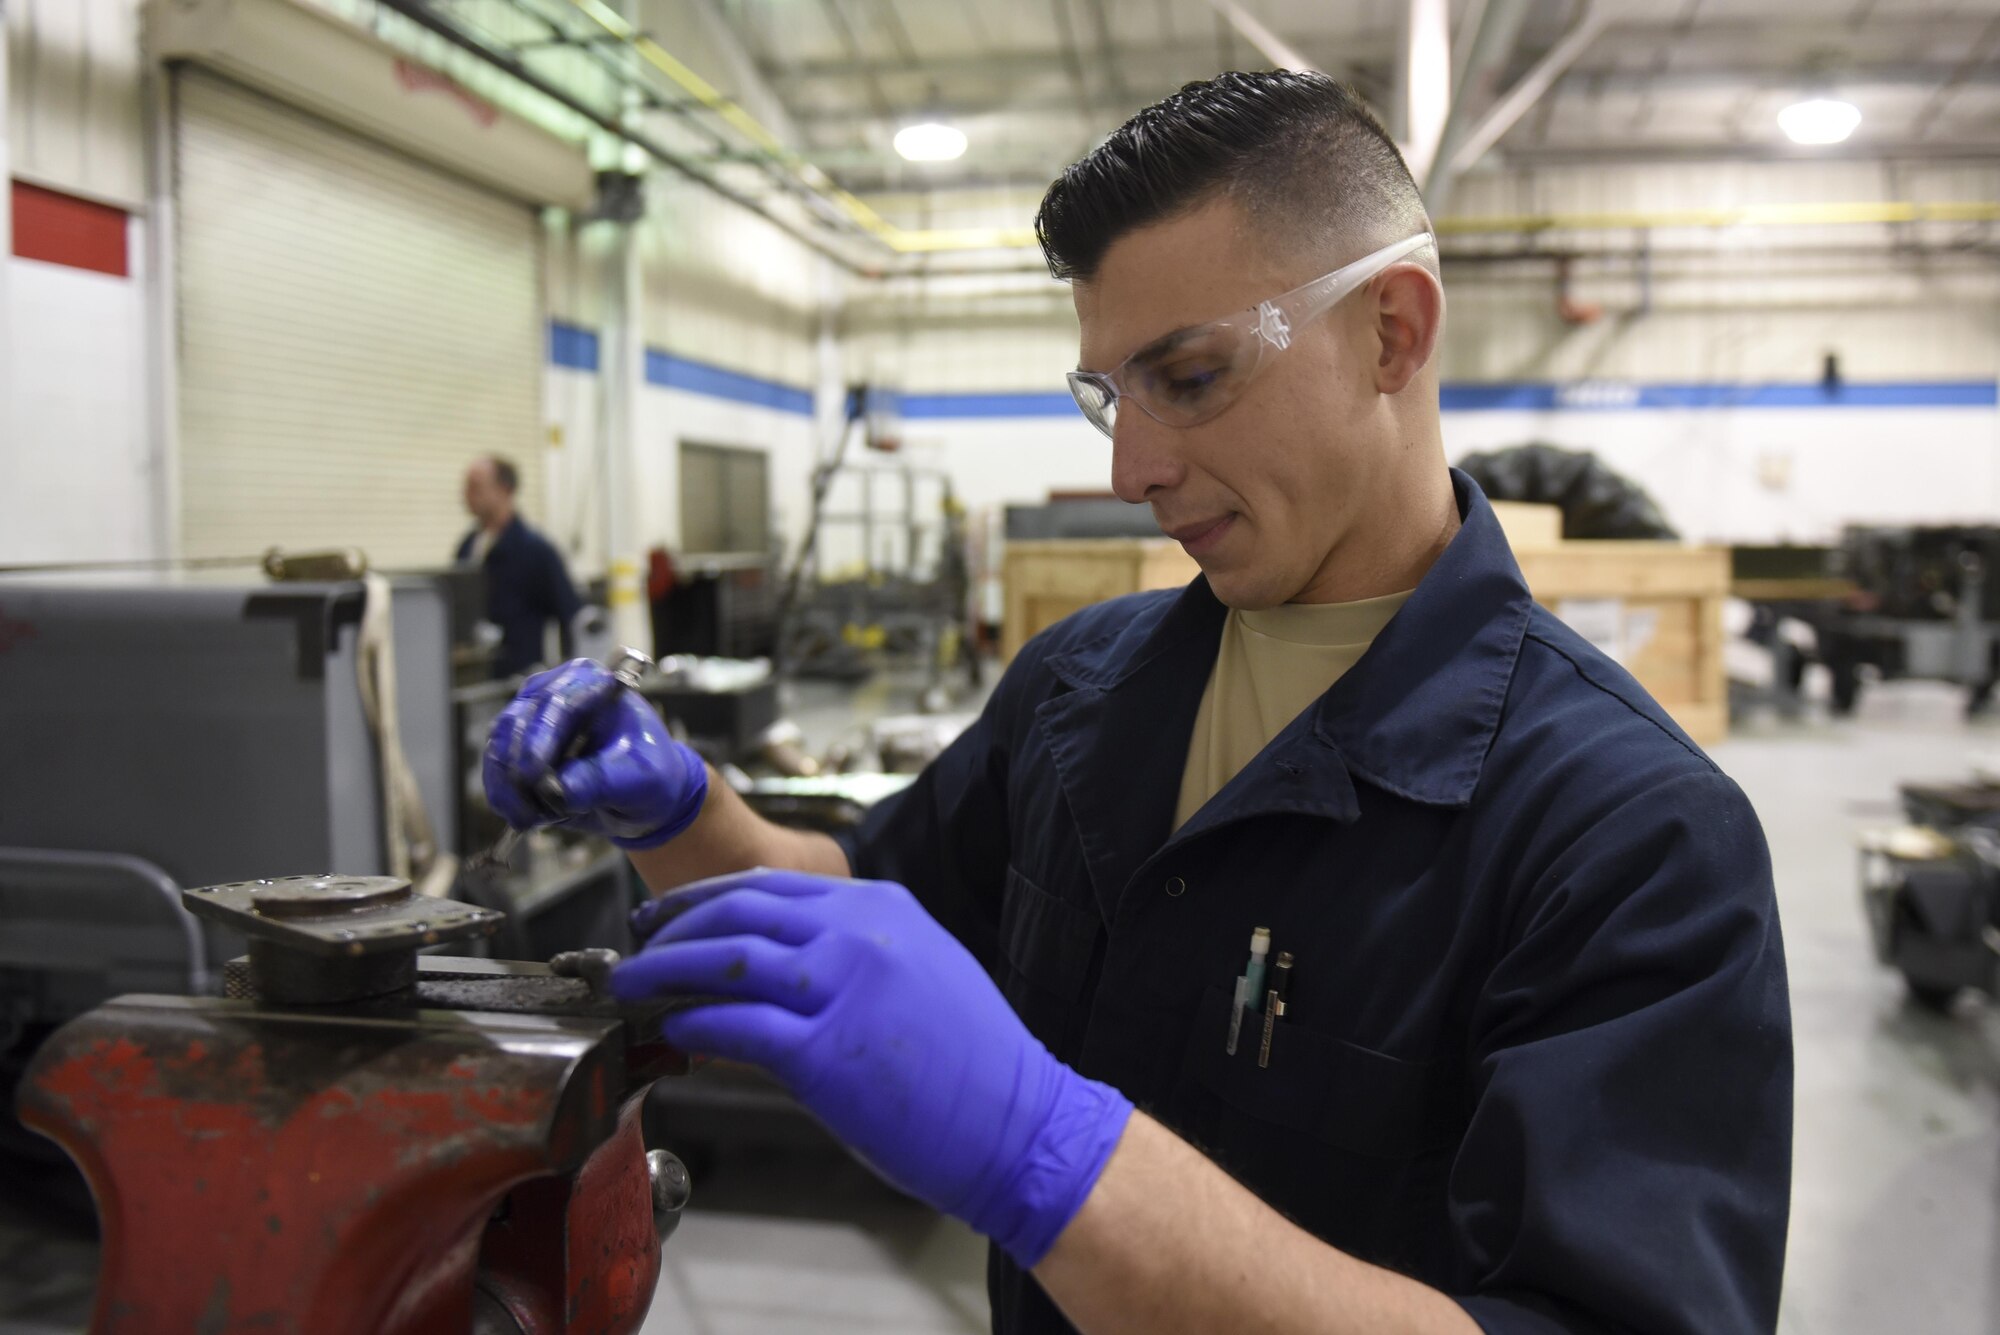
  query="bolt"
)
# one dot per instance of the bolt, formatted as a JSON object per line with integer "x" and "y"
{"x": 671, "y": 1186}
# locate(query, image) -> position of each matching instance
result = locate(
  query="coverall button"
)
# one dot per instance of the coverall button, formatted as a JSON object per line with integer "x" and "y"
{"x": 1176, "y": 887}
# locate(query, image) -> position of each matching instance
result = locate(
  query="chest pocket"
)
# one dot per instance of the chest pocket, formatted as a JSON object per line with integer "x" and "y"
{"x": 1351, "y": 1144}
{"x": 1046, "y": 948}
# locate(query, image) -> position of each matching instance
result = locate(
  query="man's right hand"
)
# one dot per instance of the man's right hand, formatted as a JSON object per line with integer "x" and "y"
{"x": 616, "y": 772}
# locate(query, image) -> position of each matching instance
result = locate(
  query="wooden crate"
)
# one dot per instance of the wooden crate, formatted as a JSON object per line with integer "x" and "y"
{"x": 1047, "y": 579}
{"x": 1527, "y": 524}
{"x": 1655, "y": 607}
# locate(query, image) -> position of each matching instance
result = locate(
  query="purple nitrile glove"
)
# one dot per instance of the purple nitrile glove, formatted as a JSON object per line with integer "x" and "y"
{"x": 890, "y": 1033}
{"x": 620, "y": 775}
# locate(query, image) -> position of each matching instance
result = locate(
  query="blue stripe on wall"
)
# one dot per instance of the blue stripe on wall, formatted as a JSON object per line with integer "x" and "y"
{"x": 1549, "y": 397}
{"x": 572, "y": 347}
{"x": 989, "y": 405}
{"x": 1496, "y": 398}
{"x": 577, "y": 349}
{"x": 1602, "y": 396}
{"x": 671, "y": 372}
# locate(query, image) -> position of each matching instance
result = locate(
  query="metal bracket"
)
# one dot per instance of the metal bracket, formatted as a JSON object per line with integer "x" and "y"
{"x": 322, "y": 940}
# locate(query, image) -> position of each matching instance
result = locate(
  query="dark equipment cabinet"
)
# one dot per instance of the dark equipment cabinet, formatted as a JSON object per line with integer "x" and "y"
{"x": 724, "y": 607}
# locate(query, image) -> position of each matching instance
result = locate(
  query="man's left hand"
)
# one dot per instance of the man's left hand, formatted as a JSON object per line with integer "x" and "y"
{"x": 890, "y": 1033}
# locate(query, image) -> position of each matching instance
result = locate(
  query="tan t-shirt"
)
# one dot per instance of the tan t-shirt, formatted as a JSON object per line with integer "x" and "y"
{"x": 1271, "y": 665}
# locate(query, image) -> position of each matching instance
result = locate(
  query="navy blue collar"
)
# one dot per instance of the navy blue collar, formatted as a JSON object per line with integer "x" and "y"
{"x": 1416, "y": 716}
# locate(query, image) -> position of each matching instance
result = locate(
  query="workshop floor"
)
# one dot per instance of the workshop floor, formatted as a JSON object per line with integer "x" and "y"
{"x": 1896, "y": 1160}
{"x": 1896, "y": 1214}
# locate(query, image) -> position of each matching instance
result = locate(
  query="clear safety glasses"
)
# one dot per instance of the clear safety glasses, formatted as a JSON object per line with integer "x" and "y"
{"x": 1193, "y": 374}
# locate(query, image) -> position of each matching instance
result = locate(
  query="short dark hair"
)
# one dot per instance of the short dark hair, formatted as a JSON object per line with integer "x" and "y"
{"x": 1301, "y": 153}
{"x": 504, "y": 472}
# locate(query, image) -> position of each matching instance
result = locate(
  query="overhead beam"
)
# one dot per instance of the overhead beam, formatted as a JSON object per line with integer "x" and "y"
{"x": 1072, "y": 59}
{"x": 1470, "y": 20}
{"x": 1376, "y": 48}
{"x": 1268, "y": 44}
{"x": 1178, "y": 60}
{"x": 1514, "y": 103}
{"x": 1974, "y": 61}
{"x": 1486, "y": 52}
{"x": 1107, "y": 50}
{"x": 753, "y": 91}
{"x": 823, "y": 114}
{"x": 838, "y": 21}
{"x": 1422, "y": 102}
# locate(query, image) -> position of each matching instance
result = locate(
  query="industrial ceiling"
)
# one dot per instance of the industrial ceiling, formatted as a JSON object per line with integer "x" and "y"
{"x": 803, "y": 98}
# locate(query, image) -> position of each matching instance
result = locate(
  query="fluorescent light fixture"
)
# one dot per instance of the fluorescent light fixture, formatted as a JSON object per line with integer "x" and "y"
{"x": 930, "y": 142}
{"x": 1819, "y": 120}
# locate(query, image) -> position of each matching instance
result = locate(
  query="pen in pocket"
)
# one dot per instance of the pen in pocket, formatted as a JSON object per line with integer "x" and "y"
{"x": 1274, "y": 1004}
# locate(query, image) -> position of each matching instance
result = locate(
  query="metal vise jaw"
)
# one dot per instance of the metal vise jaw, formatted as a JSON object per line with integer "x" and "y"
{"x": 362, "y": 1140}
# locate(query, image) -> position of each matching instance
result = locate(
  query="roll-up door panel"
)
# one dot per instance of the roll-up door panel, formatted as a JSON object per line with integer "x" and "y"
{"x": 355, "y": 327}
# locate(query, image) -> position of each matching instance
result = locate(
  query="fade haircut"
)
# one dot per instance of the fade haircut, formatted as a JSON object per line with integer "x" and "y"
{"x": 504, "y": 472}
{"x": 1301, "y": 154}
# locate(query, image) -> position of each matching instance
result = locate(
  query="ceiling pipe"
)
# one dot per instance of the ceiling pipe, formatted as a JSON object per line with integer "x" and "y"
{"x": 1829, "y": 214}
{"x": 1584, "y": 27}
{"x": 1880, "y": 212}
{"x": 1485, "y": 53}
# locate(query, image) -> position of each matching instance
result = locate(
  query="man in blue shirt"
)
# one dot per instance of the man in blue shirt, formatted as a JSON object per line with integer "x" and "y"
{"x": 1523, "y": 1061}
{"x": 527, "y": 584}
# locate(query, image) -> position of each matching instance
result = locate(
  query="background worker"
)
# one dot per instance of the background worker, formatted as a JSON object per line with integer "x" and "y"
{"x": 527, "y": 584}
{"x": 1533, "y": 1071}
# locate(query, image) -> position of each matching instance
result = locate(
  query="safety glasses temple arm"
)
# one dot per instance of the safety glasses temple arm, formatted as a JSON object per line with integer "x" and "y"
{"x": 1314, "y": 299}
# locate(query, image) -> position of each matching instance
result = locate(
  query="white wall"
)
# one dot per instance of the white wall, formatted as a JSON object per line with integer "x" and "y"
{"x": 1728, "y": 307}
{"x": 723, "y": 290}
{"x": 723, "y": 287}
{"x": 667, "y": 418}
{"x": 76, "y": 469}
{"x": 1760, "y": 475}
{"x": 75, "y": 480}
{"x": 73, "y": 97}
{"x": 995, "y": 461}
{"x": 671, "y": 417}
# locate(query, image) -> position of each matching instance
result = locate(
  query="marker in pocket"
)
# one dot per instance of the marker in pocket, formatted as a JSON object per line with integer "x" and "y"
{"x": 1236, "y": 1014}
{"x": 1253, "y": 976}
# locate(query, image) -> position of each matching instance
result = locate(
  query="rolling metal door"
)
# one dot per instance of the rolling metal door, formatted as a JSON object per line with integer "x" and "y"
{"x": 355, "y": 326}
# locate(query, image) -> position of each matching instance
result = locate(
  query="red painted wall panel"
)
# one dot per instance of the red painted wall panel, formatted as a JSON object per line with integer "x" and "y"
{"x": 62, "y": 229}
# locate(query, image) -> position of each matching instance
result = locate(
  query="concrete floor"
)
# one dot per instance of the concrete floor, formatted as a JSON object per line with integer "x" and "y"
{"x": 1896, "y": 1209}
{"x": 1896, "y": 1161}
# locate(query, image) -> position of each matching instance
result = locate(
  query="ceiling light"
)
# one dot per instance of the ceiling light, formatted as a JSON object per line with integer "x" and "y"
{"x": 930, "y": 142}
{"x": 1819, "y": 120}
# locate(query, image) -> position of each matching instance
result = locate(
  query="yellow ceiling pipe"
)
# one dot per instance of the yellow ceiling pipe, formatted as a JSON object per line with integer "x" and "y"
{"x": 1747, "y": 215}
